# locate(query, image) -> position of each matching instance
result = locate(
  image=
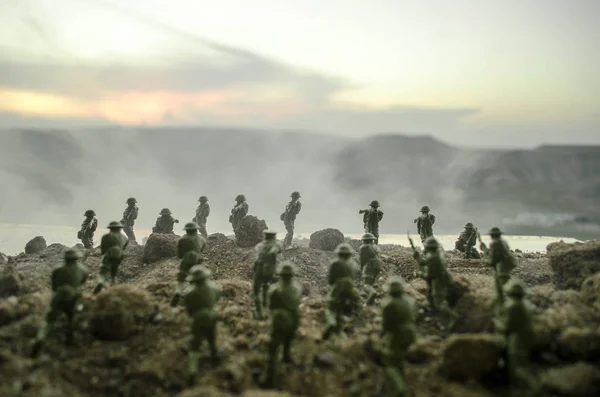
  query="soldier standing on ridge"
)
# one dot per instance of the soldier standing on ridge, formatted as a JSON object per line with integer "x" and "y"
{"x": 499, "y": 258}
{"x": 165, "y": 222}
{"x": 265, "y": 265}
{"x": 370, "y": 265}
{"x": 239, "y": 211}
{"x": 88, "y": 228}
{"x": 466, "y": 242}
{"x": 112, "y": 246}
{"x": 425, "y": 223}
{"x": 371, "y": 219}
{"x": 202, "y": 213}
{"x": 289, "y": 217}
{"x": 189, "y": 251}
{"x": 129, "y": 216}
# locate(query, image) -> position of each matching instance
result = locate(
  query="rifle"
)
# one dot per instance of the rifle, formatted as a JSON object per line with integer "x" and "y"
{"x": 416, "y": 255}
{"x": 482, "y": 245}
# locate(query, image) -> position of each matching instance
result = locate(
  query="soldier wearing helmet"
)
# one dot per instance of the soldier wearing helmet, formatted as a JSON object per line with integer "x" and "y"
{"x": 200, "y": 306}
{"x": 499, "y": 258}
{"x": 67, "y": 281}
{"x": 432, "y": 267}
{"x": 284, "y": 304}
{"x": 267, "y": 254}
{"x": 112, "y": 247}
{"x": 342, "y": 295}
{"x": 129, "y": 216}
{"x": 165, "y": 222}
{"x": 202, "y": 213}
{"x": 189, "y": 250}
{"x": 370, "y": 265}
{"x": 292, "y": 209}
{"x": 371, "y": 219}
{"x": 466, "y": 242}
{"x": 425, "y": 223}
{"x": 399, "y": 331}
{"x": 238, "y": 212}
{"x": 88, "y": 228}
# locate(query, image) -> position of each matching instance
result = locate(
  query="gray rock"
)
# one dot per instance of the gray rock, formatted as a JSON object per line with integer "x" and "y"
{"x": 326, "y": 240}
{"x": 35, "y": 245}
{"x": 471, "y": 356}
{"x": 576, "y": 380}
{"x": 160, "y": 246}
{"x": 250, "y": 231}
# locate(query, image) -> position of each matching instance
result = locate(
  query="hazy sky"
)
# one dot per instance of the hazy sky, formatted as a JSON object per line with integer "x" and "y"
{"x": 472, "y": 72}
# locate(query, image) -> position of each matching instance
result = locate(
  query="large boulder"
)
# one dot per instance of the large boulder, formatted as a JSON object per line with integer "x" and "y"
{"x": 575, "y": 380}
{"x": 160, "y": 246}
{"x": 471, "y": 356}
{"x": 326, "y": 239}
{"x": 35, "y": 245}
{"x": 250, "y": 231}
{"x": 572, "y": 263}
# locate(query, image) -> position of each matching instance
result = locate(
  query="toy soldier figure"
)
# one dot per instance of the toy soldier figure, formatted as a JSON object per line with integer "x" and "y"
{"x": 516, "y": 323}
{"x": 466, "y": 242}
{"x": 342, "y": 290}
{"x": 399, "y": 332}
{"x": 265, "y": 265}
{"x": 200, "y": 306}
{"x": 284, "y": 302}
{"x": 239, "y": 211}
{"x": 189, "y": 251}
{"x": 289, "y": 217}
{"x": 432, "y": 267}
{"x": 67, "y": 281}
{"x": 425, "y": 224}
{"x": 88, "y": 228}
{"x": 202, "y": 213}
{"x": 499, "y": 258}
{"x": 370, "y": 265}
{"x": 129, "y": 216}
{"x": 112, "y": 246}
{"x": 165, "y": 222}
{"x": 371, "y": 219}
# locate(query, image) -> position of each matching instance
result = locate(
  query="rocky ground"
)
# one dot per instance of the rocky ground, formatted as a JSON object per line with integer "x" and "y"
{"x": 129, "y": 342}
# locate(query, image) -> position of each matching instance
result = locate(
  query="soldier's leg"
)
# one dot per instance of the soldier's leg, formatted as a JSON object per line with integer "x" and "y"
{"x": 114, "y": 269}
{"x": 441, "y": 304}
{"x": 370, "y": 278}
{"x": 181, "y": 275}
{"x": 265, "y": 291}
{"x": 474, "y": 253}
{"x": 375, "y": 233}
{"x": 194, "y": 355}
{"x": 273, "y": 350}
{"x": 256, "y": 285}
{"x": 203, "y": 229}
{"x": 212, "y": 342}
{"x": 287, "y": 346}
{"x": 289, "y": 237}
{"x": 87, "y": 241}
{"x": 331, "y": 309}
{"x": 428, "y": 280}
{"x": 70, "y": 312}
{"x": 103, "y": 275}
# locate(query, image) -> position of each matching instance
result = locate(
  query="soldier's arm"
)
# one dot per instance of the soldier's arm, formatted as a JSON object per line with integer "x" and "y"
{"x": 180, "y": 248}
{"x": 380, "y": 215}
{"x": 273, "y": 298}
{"x": 207, "y": 211}
{"x": 104, "y": 244}
{"x": 298, "y": 207}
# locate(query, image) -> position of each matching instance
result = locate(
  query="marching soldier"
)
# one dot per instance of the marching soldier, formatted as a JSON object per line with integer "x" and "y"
{"x": 289, "y": 217}
{"x": 129, "y": 216}
{"x": 371, "y": 219}
{"x": 202, "y": 213}
{"x": 88, "y": 228}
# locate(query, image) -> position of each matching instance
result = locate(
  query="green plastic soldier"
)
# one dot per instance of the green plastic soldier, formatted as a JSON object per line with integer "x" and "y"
{"x": 189, "y": 250}
{"x": 284, "y": 302}
{"x": 466, "y": 242}
{"x": 371, "y": 219}
{"x": 129, "y": 216}
{"x": 88, "y": 228}
{"x": 112, "y": 247}
{"x": 165, "y": 222}
{"x": 432, "y": 267}
{"x": 200, "y": 306}
{"x": 399, "y": 332}
{"x": 238, "y": 212}
{"x": 516, "y": 323}
{"x": 265, "y": 265}
{"x": 342, "y": 294}
{"x": 289, "y": 217}
{"x": 202, "y": 213}
{"x": 499, "y": 258}
{"x": 67, "y": 281}
{"x": 370, "y": 265}
{"x": 425, "y": 223}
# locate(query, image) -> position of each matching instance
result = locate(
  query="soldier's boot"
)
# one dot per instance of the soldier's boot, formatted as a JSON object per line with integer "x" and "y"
{"x": 265, "y": 290}
{"x": 287, "y": 347}
{"x": 193, "y": 358}
{"x": 396, "y": 381}
{"x": 268, "y": 380}
{"x": 258, "y": 307}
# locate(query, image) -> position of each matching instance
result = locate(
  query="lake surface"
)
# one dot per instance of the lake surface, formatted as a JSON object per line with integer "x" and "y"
{"x": 13, "y": 238}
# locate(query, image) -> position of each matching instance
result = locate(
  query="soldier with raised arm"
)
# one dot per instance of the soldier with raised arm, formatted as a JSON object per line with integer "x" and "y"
{"x": 499, "y": 258}
{"x": 466, "y": 242}
{"x": 202, "y": 213}
{"x": 289, "y": 217}
{"x": 267, "y": 254}
{"x": 425, "y": 223}
{"x": 129, "y": 216}
{"x": 238, "y": 212}
{"x": 370, "y": 265}
{"x": 165, "y": 222}
{"x": 371, "y": 219}
{"x": 112, "y": 246}
{"x": 88, "y": 228}
{"x": 189, "y": 250}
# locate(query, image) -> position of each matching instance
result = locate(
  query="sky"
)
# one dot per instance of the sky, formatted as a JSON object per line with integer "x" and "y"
{"x": 469, "y": 72}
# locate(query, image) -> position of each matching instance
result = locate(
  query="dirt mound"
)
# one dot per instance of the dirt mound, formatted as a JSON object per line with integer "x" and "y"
{"x": 250, "y": 231}
{"x": 35, "y": 245}
{"x": 160, "y": 246}
{"x": 326, "y": 239}
{"x": 572, "y": 263}
{"x": 471, "y": 356}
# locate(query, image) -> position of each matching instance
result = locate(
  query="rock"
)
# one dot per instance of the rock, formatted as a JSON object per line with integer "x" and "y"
{"x": 144, "y": 240}
{"x": 423, "y": 350}
{"x": 473, "y": 301}
{"x": 326, "y": 240}
{"x": 3, "y": 259}
{"x": 579, "y": 344}
{"x": 471, "y": 356}
{"x": 590, "y": 289}
{"x": 119, "y": 312}
{"x": 572, "y": 263}
{"x": 203, "y": 391}
{"x": 160, "y": 246}
{"x": 10, "y": 284}
{"x": 35, "y": 245}
{"x": 250, "y": 231}
{"x": 325, "y": 360}
{"x": 576, "y": 380}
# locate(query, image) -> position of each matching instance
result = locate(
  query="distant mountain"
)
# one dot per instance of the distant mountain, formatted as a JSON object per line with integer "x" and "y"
{"x": 54, "y": 176}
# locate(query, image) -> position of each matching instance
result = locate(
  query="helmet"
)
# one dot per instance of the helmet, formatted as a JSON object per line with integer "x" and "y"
{"x": 431, "y": 243}
{"x": 89, "y": 213}
{"x": 469, "y": 225}
{"x": 425, "y": 208}
{"x": 131, "y": 200}
{"x": 191, "y": 226}
{"x": 198, "y": 273}
{"x": 367, "y": 236}
{"x": 165, "y": 211}
{"x": 269, "y": 232}
{"x": 514, "y": 288}
{"x": 73, "y": 254}
{"x": 375, "y": 203}
{"x": 495, "y": 231}
{"x": 203, "y": 198}
{"x": 344, "y": 248}
{"x": 240, "y": 197}
{"x": 286, "y": 268}
{"x": 295, "y": 195}
{"x": 115, "y": 225}
{"x": 395, "y": 285}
